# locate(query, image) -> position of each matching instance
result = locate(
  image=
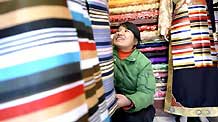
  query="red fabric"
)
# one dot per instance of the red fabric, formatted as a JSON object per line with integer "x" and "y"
{"x": 123, "y": 55}
{"x": 41, "y": 104}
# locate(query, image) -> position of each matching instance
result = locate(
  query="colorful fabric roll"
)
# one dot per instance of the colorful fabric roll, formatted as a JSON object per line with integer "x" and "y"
{"x": 88, "y": 54}
{"x": 40, "y": 71}
{"x": 136, "y": 8}
{"x": 98, "y": 11}
{"x": 124, "y": 3}
{"x": 147, "y": 16}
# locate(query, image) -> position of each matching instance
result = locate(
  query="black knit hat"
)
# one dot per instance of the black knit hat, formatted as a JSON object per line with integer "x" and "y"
{"x": 132, "y": 27}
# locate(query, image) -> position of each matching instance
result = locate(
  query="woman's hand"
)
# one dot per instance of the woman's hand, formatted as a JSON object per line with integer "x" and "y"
{"x": 122, "y": 100}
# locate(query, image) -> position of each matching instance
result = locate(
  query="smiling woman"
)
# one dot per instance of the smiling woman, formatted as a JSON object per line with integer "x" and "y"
{"x": 134, "y": 78}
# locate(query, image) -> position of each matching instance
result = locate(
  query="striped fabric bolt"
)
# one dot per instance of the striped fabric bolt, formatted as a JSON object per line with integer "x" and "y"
{"x": 89, "y": 63}
{"x": 98, "y": 11}
{"x": 40, "y": 75}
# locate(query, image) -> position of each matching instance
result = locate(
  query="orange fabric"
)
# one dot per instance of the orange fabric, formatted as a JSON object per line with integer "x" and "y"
{"x": 123, "y": 55}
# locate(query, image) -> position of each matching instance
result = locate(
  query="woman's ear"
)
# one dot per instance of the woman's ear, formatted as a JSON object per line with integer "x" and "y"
{"x": 135, "y": 41}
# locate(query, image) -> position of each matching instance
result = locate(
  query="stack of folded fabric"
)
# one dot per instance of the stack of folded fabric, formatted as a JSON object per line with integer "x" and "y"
{"x": 157, "y": 52}
{"x": 143, "y": 13}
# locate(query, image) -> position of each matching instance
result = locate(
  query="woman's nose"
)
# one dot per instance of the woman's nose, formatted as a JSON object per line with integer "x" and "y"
{"x": 120, "y": 32}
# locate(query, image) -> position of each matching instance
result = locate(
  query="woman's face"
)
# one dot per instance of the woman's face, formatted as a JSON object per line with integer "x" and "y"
{"x": 124, "y": 39}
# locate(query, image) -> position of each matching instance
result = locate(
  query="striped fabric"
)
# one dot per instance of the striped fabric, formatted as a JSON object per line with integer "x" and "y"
{"x": 192, "y": 40}
{"x": 215, "y": 35}
{"x": 98, "y": 11}
{"x": 89, "y": 59}
{"x": 40, "y": 75}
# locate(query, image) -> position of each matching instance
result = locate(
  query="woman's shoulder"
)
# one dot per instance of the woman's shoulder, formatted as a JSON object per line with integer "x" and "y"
{"x": 142, "y": 58}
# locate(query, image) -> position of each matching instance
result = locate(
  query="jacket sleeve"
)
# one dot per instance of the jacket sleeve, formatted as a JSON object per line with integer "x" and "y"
{"x": 143, "y": 97}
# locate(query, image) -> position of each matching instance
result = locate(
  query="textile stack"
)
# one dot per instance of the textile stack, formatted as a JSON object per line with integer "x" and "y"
{"x": 144, "y": 13}
{"x": 157, "y": 53}
{"x": 50, "y": 67}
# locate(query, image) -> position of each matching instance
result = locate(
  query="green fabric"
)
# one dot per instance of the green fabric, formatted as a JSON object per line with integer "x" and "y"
{"x": 133, "y": 77}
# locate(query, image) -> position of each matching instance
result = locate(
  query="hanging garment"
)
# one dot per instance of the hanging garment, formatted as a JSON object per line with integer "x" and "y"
{"x": 192, "y": 89}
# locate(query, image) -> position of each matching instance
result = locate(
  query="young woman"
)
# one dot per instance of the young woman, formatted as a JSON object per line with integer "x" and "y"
{"x": 134, "y": 79}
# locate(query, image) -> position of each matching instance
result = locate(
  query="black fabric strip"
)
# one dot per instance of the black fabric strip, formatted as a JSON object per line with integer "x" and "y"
{"x": 156, "y": 54}
{"x": 196, "y": 87}
{"x": 93, "y": 109}
{"x": 100, "y": 23}
{"x": 83, "y": 31}
{"x": 106, "y": 58}
{"x": 107, "y": 73}
{"x": 98, "y": 7}
{"x": 36, "y": 25}
{"x": 40, "y": 78}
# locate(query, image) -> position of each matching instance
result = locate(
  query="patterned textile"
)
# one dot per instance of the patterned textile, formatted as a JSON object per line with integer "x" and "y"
{"x": 192, "y": 40}
{"x": 98, "y": 11}
{"x": 39, "y": 63}
{"x": 215, "y": 35}
{"x": 191, "y": 89}
{"x": 57, "y": 73}
{"x": 142, "y": 13}
{"x": 89, "y": 62}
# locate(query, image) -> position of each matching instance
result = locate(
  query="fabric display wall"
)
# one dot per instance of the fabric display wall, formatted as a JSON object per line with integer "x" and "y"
{"x": 193, "y": 55}
{"x": 144, "y": 13}
{"x": 49, "y": 64}
{"x": 157, "y": 52}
